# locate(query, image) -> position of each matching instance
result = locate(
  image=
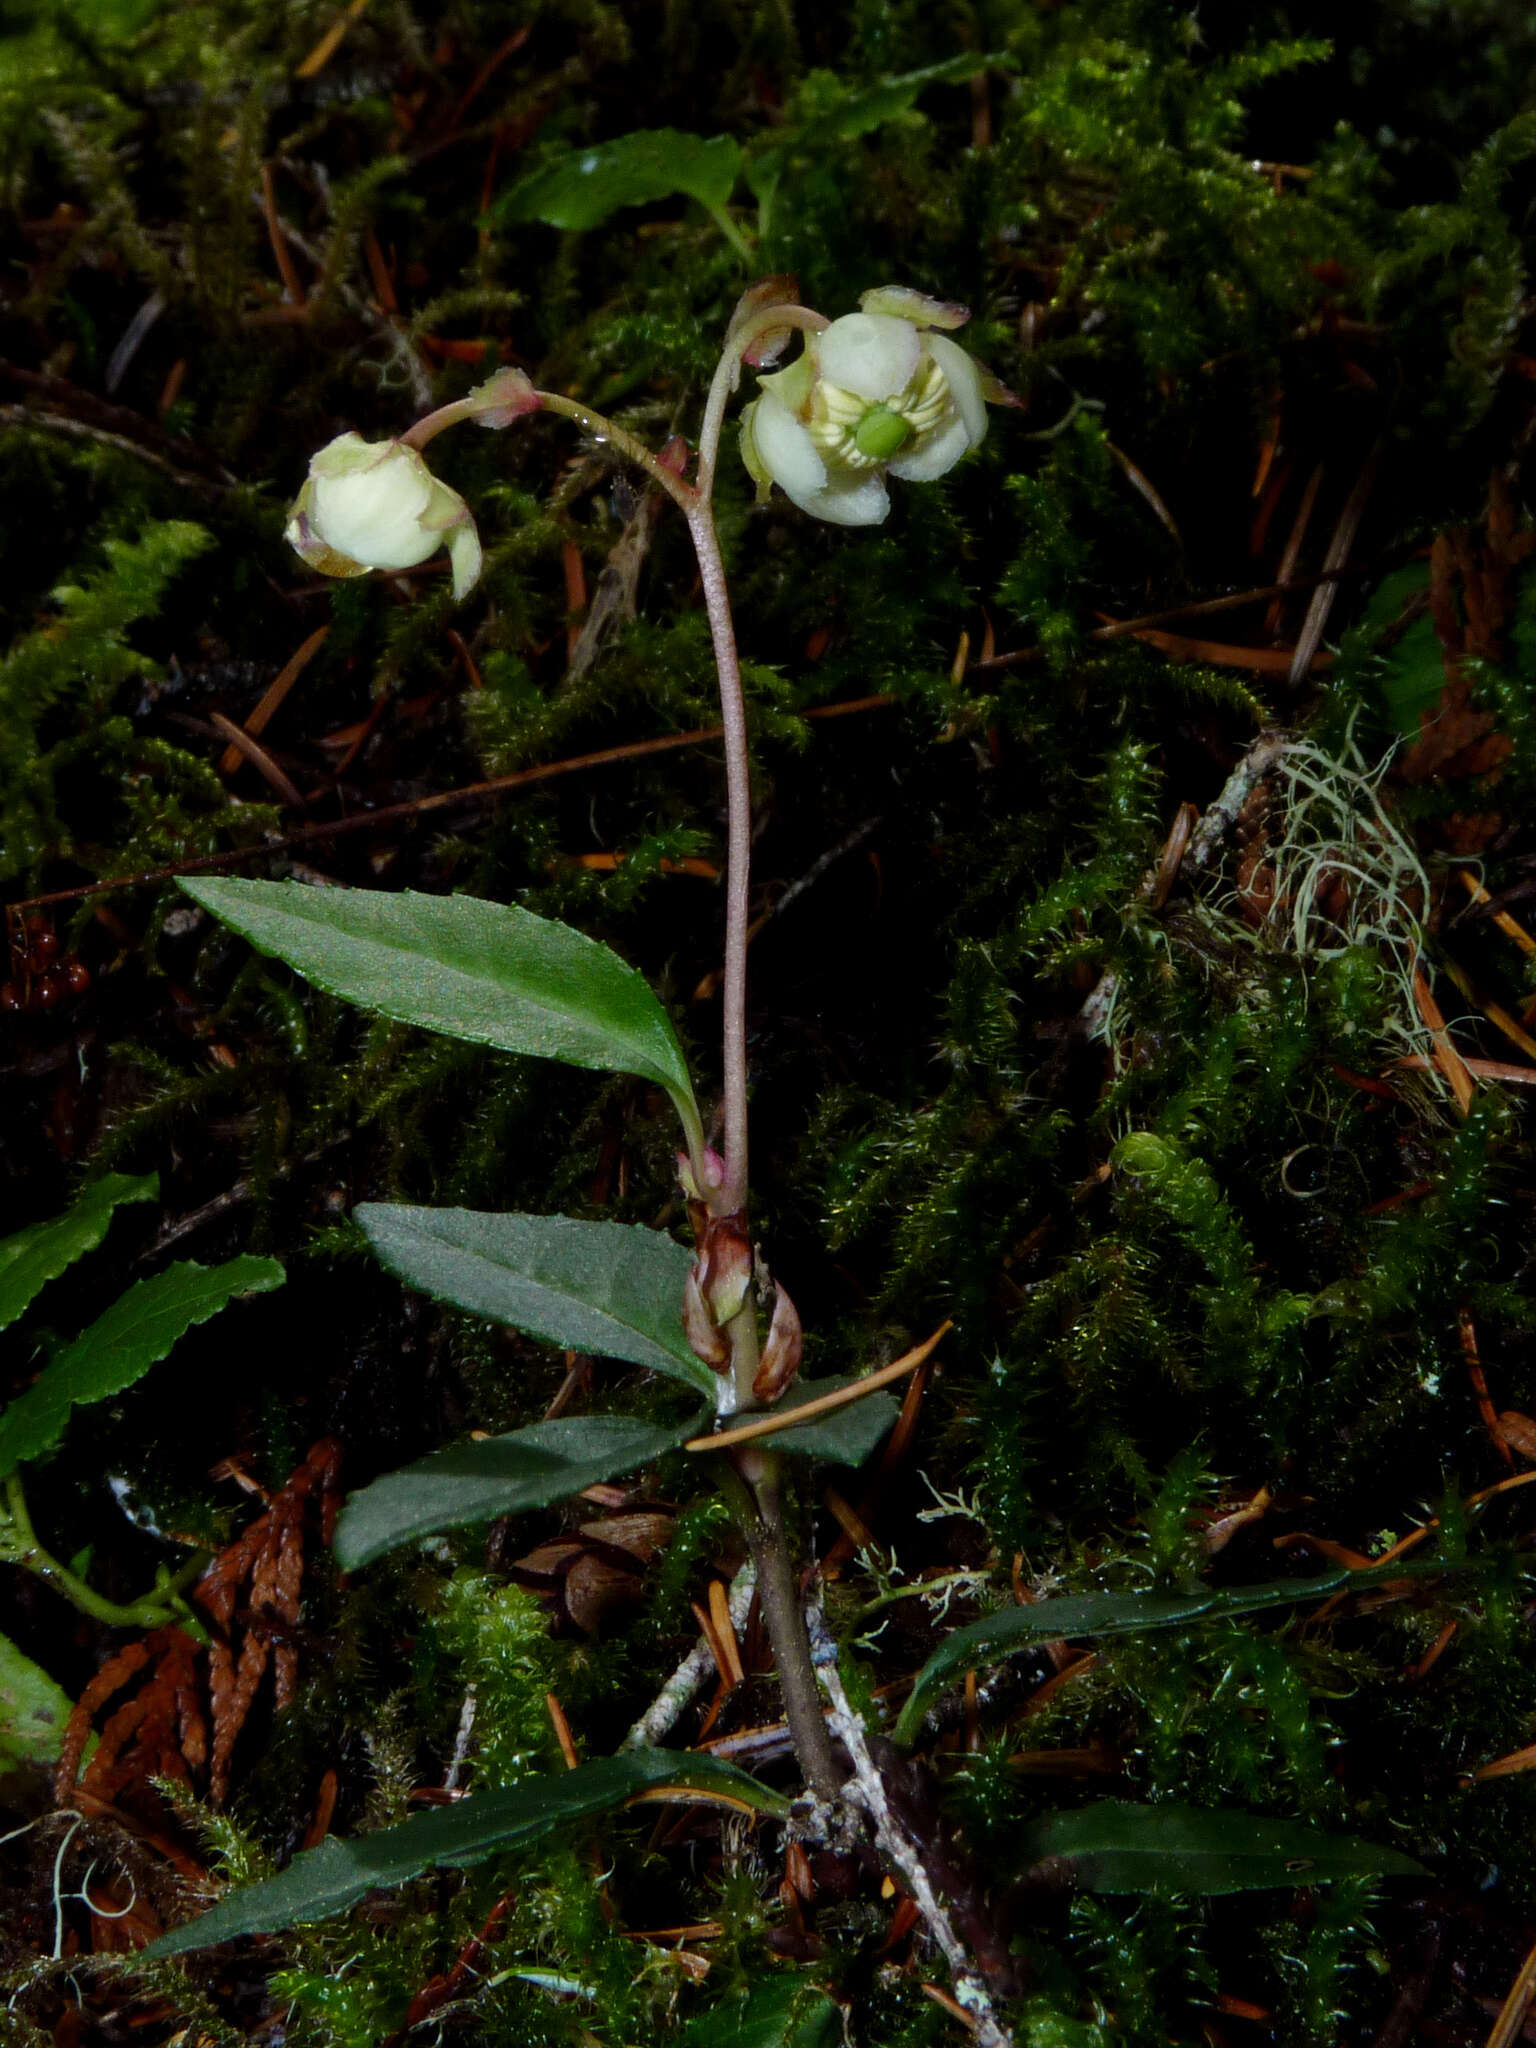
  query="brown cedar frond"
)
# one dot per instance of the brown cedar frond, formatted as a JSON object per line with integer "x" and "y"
{"x": 162, "y": 1729}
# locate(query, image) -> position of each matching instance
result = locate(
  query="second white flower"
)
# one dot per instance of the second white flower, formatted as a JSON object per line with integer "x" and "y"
{"x": 878, "y": 392}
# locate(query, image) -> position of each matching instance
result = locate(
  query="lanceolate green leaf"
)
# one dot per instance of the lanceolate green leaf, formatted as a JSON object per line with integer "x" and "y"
{"x": 488, "y": 972}
{"x": 122, "y": 1344}
{"x": 847, "y": 1435}
{"x": 33, "y": 1711}
{"x": 1004, "y": 1634}
{"x": 777, "y": 2012}
{"x": 1118, "y": 1847}
{"x": 38, "y": 1254}
{"x": 327, "y": 1880}
{"x": 615, "y": 1289}
{"x": 502, "y": 1475}
{"x": 581, "y": 189}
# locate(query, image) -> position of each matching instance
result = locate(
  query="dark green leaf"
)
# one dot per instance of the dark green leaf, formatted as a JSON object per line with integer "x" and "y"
{"x": 847, "y": 1435}
{"x": 121, "y": 1345}
{"x": 1391, "y": 598}
{"x": 38, "y": 1254}
{"x": 781, "y": 2012}
{"x": 488, "y": 972}
{"x": 327, "y": 1880}
{"x": 614, "y": 1289}
{"x": 502, "y": 1475}
{"x": 1117, "y": 1847}
{"x": 581, "y": 189}
{"x": 1003, "y": 1634}
{"x": 1413, "y": 680}
{"x": 33, "y": 1711}
{"x": 1412, "y": 677}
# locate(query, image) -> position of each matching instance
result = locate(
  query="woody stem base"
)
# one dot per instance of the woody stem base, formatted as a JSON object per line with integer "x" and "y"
{"x": 751, "y": 1483}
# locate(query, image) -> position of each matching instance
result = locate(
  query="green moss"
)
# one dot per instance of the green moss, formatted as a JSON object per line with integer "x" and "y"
{"x": 500, "y": 1635}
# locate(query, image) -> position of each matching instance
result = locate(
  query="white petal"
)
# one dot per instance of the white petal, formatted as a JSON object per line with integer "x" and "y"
{"x": 963, "y": 376}
{"x": 786, "y": 450}
{"x": 935, "y": 453}
{"x": 374, "y": 514}
{"x": 853, "y": 498}
{"x": 869, "y": 354}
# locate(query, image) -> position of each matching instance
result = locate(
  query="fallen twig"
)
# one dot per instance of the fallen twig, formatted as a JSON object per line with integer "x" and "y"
{"x": 786, "y": 1418}
{"x": 865, "y": 1789}
{"x": 662, "y": 1714}
{"x": 1310, "y": 637}
{"x": 1123, "y": 629}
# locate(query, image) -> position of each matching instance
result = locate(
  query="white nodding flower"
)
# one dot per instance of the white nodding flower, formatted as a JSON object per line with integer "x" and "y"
{"x": 376, "y": 505}
{"x": 879, "y": 392}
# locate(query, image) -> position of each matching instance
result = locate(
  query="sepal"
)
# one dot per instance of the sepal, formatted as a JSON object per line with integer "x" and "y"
{"x": 503, "y": 398}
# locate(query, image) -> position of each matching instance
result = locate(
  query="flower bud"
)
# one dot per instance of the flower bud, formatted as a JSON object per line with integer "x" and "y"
{"x": 376, "y": 505}
{"x": 781, "y": 1351}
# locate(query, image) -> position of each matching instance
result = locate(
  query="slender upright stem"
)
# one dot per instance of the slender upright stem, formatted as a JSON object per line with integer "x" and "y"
{"x": 732, "y": 1192}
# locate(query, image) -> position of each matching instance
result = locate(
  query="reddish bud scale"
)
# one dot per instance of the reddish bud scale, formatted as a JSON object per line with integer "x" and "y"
{"x": 724, "y": 1266}
{"x": 706, "y": 1339}
{"x": 781, "y": 1352}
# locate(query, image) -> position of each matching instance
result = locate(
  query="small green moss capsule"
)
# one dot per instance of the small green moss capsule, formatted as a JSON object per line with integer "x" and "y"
{"x": 881, "y": 434}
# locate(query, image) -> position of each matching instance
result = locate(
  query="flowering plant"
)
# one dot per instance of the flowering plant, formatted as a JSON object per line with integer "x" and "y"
{"x": 882, "y": 391}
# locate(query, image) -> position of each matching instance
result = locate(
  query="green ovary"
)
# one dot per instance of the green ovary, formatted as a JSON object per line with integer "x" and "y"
{"x": 881, "y": 433}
